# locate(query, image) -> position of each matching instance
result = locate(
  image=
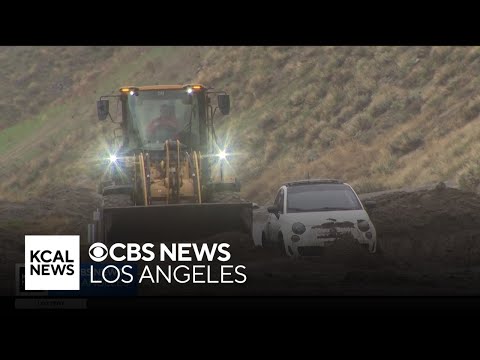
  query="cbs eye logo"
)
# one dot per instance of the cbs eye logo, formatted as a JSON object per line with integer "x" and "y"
{"x": 98, "y": 252}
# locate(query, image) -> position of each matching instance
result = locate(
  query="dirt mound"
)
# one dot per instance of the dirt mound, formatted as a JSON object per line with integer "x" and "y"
{"x": 349, "y": 252}
{"x": 57, "y": 211}
{"x": 239, "y": 242}
{"x": 442, "y": 224}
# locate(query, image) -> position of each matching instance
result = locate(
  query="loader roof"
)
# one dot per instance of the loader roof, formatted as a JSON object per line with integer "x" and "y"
{"x": 159, "y": 87}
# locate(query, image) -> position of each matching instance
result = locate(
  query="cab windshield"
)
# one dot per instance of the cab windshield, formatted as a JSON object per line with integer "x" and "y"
{"x": 161, "y": 115}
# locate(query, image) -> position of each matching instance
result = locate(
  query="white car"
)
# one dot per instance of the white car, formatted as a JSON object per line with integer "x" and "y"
{"x": 309, "y": 215}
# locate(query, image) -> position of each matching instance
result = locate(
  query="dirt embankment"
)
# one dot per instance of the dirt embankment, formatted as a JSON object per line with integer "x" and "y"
{"x": 435, "y": 226}
{"x": 60, "y": 210}
{"x": 57, "y": 211}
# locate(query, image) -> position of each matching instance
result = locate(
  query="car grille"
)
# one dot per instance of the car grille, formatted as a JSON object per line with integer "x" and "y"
{"x": 365, "y": 246}
{"x": 310, "y": 250}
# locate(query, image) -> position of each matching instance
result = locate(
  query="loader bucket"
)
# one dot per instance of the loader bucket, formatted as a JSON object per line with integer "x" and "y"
{"x": 176, "y": 222}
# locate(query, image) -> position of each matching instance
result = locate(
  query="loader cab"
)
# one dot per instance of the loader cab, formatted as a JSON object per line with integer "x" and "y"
{"x": 146, "y": 126}
{"x": 169, "y": 125}
{"x": 152, "y": 116}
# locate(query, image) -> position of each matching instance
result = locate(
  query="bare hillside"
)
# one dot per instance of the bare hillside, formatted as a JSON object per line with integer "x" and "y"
{"x": 378, "y": 117}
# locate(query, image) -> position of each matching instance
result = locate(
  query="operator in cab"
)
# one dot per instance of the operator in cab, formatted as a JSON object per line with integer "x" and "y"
{"x": 165, "y": 126}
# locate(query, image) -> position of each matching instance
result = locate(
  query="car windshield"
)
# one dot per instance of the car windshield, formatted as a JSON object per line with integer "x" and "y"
{"x": 321, "y": 197}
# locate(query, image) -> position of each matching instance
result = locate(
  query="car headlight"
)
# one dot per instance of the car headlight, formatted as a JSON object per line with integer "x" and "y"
{"x": 298, "y": 228}
{"x": 363, "y": 225}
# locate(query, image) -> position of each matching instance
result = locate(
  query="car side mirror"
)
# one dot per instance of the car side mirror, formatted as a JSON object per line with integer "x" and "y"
{"x": 274, "y": 210}
{"x": 224, "y": 103}
{"x": 370, "y": 204}
{"x": 102, "y": 109}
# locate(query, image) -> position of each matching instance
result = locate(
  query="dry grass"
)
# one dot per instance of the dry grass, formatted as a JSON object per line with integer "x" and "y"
{"x": 378, "y": 117}
{"x": 33, "y": 77}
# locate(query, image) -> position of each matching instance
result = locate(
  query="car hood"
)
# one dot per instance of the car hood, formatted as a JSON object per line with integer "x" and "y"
{"x": 322, "y": 217}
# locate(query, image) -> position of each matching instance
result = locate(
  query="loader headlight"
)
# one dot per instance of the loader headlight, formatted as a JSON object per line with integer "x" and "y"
{"x": 113, "y": 158}
{"x": 222, "y": 155}
{"x": 298, "y": 228}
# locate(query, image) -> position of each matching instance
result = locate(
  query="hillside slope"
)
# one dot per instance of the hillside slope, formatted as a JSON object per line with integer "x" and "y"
{"x": 63, "y": 143}
{"x": 377, "y": 117}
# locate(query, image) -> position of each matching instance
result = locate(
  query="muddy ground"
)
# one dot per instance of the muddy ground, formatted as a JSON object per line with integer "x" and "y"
{"x": 59, "y": 211}
{"x": 430, "y": 241}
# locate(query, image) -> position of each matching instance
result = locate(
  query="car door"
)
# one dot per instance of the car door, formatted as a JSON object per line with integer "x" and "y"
{"x": 274, "y": 222}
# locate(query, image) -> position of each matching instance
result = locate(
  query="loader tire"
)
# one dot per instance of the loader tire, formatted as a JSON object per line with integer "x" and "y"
{"x": 226, "y": 197}
{"x": 117, "y": 200}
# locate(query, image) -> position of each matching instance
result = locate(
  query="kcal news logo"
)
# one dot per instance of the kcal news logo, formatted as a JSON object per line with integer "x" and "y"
{"x": 52, "y": 262}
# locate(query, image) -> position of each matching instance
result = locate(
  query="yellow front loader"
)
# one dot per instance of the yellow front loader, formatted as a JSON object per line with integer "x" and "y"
{"x": 170, "y": 179}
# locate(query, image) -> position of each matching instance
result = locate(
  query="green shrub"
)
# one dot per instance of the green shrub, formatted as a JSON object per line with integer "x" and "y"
{"x": 381, "y": 106}
{"x": 470, "y": 111}
{"x": 364, "y": 122}
{"x": 362, "y": 101}
{"x": 414, "y": 102}
{"x": 327, "y": 137}
{"x": 386, "y": 167}
{"x": 405, "y": 143}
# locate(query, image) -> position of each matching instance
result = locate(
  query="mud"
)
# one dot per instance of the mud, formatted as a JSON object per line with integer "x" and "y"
{"x": 439, "y": 226}
{"x": 334, "y": 225}
{"x": 429, "y": 239}
{"x": 58, "y": 211}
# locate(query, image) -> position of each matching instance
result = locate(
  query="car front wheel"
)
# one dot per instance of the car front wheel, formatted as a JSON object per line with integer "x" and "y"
{"x": 264, "y": 239}
{"x": 281, "y": 245}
